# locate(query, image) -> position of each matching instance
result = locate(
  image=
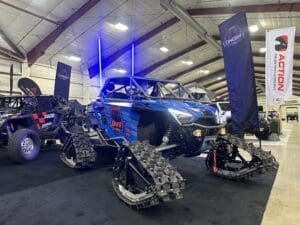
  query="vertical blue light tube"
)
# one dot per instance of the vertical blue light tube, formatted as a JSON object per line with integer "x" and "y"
{"x": 132, "y": 60}
{"x": 100, "y": 63}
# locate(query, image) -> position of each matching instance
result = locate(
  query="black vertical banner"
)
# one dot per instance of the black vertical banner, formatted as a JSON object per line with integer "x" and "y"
{"x": 239, "y": 70}
{"x": 62, "y": 80}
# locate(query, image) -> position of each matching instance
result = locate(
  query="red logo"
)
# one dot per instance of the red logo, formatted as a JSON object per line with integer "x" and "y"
{"x": 281, "y": 43}
{"x": 281, "y": 73}
{"x": 116, "y": 122}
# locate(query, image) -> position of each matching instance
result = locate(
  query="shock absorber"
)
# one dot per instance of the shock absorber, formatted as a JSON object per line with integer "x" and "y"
{"x": 167, "y": 135}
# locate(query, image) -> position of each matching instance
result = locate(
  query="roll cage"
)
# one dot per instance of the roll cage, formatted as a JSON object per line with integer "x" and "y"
{"x": 136, "y": 87}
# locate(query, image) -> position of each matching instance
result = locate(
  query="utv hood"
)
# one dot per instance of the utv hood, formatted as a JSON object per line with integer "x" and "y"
{"x": 191, "y": 110}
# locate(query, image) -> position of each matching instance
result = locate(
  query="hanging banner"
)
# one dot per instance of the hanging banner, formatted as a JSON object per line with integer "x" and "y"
{"x": 239, "y": 71}
{"x": 279, "y": 64}
{"x": 62, "y": 80}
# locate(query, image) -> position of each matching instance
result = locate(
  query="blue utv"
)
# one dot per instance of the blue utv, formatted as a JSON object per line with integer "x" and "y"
{"x": 149, "y": 121}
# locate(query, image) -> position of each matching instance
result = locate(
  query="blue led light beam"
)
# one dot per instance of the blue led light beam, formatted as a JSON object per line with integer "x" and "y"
{"x": 100, "y": 63}
{"x": 132, "y": 60}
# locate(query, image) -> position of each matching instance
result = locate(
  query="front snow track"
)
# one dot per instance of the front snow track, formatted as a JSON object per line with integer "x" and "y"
{"x": 77, "y": 151}
{"x": 143, "y": 178}
{"x": 225, "y": 159}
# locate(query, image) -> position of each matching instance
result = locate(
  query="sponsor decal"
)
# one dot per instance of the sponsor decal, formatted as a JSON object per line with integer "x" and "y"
{"x": 116, "y": 122}
{"x": 281, "y": 44}
{"x": 233, "y": 36}
{"x": 280, "y": 72}
{"x": 279, "y": 64}
{"x": 63, "y": 76}
{"x": 43, "y": 119}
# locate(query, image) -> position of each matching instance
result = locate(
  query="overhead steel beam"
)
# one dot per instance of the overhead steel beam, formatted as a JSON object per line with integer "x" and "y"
{"x": 11, "y": 44}
{"x": 198, "y": 66}
{"x": 213, "y": 83}
{"x": 184, "y": 16}
{"x": 41, "y": 47}
{"x": 156, "y": 65}
{"x": 94, "y": 70}
{"x": 289, "y": 7}
{"x": 221, "y": 93}
{"x": 296, "y": 68}
{"x": 263, "y": 74}
{"x": 28, "y": 12}
{"x": 258, "y": 38}
{"x": 220, "y": 97}
{"x": 181, "y": 73}
{"x": 212, "y": 76}
{"x": 256, "y": 54}
{"x": 219, "y": 88}
{"x": 9, "y": 57}
{"x": 11, "y": 54}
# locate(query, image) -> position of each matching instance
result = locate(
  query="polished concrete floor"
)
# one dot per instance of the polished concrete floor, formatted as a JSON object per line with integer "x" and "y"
{"x": 47, "y": 192}
{"x": 283, "y": 207}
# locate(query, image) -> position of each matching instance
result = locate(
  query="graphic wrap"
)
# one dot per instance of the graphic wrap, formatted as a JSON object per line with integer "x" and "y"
{"x": 279, "y": 64}
{"x": 239, "y": 70}
{"x": 43, "y": 119}
{"x": 62, "y": 80}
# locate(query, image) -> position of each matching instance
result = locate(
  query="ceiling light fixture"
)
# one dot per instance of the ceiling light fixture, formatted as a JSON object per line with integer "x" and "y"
{"x": 262, "y": 50}
{"x": 164, "y": 49}
{"x": 206, "y": 71}
{"x": 187, "y": 62}
{"x": 74, "y": 58}
{"x": 121, "y": 27}
{"x": 121, "y": 71}
{"x": 253, "y": 28}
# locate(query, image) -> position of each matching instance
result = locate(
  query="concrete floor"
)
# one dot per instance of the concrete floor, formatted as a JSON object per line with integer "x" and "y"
{"x": 283, "y": 207}
{"x": 47, "y": 192}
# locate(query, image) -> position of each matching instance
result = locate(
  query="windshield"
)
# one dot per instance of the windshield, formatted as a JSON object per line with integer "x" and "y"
{"x": 162, "y": 89}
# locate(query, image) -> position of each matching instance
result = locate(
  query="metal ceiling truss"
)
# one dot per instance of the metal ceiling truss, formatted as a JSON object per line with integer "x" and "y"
{"x": 176, "y": 55}
{"x": 294, "y": 7}
{"x": 17, "y": 54}
{"x": 258, "y": 38}
{"x": 193, "y": 68}
{"x": 41, "y": 47}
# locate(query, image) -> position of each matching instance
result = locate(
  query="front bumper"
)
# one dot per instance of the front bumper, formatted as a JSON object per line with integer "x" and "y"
{"x": 195, "y": 145}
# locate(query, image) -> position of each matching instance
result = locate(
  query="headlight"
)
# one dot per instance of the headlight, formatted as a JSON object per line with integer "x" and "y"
{"x": 197, "y": 133}
{"x": 222, "y": 131}
{"x": 179, "y": 116}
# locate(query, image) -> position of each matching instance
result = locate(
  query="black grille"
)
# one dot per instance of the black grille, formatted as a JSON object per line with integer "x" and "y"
{"x": 207, "y": 121}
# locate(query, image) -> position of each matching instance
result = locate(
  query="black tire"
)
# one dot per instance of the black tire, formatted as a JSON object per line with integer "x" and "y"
{"x": 17, "y": 153}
